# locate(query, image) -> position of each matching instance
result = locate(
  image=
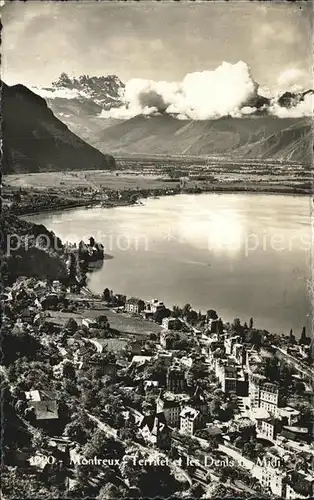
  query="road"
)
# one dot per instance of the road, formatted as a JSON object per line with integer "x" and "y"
{"x": 110, "y": 432}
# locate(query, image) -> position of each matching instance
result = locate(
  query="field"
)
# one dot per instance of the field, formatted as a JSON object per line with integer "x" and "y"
{"x": 121, "y": 322}
{"x": 93, "y": 178}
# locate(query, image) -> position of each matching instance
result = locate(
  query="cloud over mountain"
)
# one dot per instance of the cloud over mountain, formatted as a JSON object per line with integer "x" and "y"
{"x": 228, "y": 90}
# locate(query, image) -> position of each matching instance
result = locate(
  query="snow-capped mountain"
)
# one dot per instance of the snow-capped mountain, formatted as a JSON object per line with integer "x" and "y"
{"x": 78, "y": 102}
{"x": 106, "y": 91}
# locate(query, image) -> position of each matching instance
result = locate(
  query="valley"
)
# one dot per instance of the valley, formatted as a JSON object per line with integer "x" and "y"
{"x": 142, "y": 177}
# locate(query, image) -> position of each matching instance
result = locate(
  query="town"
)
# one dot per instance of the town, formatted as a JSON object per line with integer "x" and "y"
{"x": 112, "y": 396}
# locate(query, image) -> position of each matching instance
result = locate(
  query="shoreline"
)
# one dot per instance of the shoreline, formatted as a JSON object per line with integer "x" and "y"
{"x": 221, "y": 190}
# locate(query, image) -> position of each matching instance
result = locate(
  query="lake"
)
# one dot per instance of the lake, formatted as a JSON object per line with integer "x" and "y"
{"x": 241, "y": 254}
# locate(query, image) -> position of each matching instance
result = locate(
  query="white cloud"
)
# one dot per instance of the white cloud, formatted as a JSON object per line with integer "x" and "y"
{"x": 199, "y": 96}
{"x": 304, "y": 108}
{"x": 291, "y": 80}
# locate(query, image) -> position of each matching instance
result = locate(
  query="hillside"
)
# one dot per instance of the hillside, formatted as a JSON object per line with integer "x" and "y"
{"x": 34, "y": 140}
{"x": 23, "y": 253}
{"x": 250, "y": 137}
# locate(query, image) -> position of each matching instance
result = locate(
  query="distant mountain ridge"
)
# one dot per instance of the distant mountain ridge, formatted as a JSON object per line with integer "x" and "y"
{"x": 263, "y": 137}
{"x": 105, "y": 91}
{"x": 79, "y": 102}
{"x": 35, "y": 140}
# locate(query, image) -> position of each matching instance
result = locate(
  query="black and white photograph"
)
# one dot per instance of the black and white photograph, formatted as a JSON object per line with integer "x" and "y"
{"x": 157, "y": 250}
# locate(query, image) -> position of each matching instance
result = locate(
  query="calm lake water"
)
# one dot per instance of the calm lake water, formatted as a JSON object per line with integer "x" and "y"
{"x": 241, "y": 254}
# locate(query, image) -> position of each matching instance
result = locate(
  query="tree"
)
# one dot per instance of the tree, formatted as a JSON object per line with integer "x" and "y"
{"x": 272, "y": 369}
{"x": 102, "y": 446}
{"x": 106, "y": 295}
{"x": 299, "y": 387}
{"x": 160, "y": 314}
{"x": 285, "y": 375}
{"x": 176, "y": 312}
{"x": 76, "y": 432}
{"x": 71, "y": 326}
{"x": 186, "y": 308}
{"x": 211, "y": 314}
{"x": 220, "y": 327}
{"x": 292, "y": 339}
{"x": 129, "y": 431}
{"x": 102, "y": 321}
{"x": 304, "y": 340}
{"x": 157, "y": 481}
{"x": 237, "y": 327}
{"x": 251, "y": 323}
{"x": 254, "y": 337}
{"x": 109, "y": 492}
{"x": 68, "y": 370}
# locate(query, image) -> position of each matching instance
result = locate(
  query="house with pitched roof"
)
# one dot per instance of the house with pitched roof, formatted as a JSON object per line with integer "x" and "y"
{"x": 154, "y": 430}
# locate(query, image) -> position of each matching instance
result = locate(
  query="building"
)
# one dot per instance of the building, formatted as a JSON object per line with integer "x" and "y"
{"x": 230, "y": 342}
{"x": 166, "y": 339}
{"x": 300, "y": 485}
{"x": 255, "y": 380}
{"x": 227, "y": 374}
{"x": 44, "y": 414}
{"x": 269, "y": 397}
{"x": 288, "y": 415}
{"x": 150, "y": 385}
{"x": 134, "y": 305}
{"x": 296, "y": 433}
{"x": 89, "y": 323}
{"x": 268, "y": 428}
{"x": 270, "y": 475}
{"x": 175, "y": 379}
{"x": 170, "y": 408}
{"x": 244, "y": 427}
{"x": 190, "y": 419}
{"x": 155, "y": 431}
{"x": 154, "y": 306}
{"x": 215, "y": 345}
{"x": 166, "y": 357}
{"x": 172, "y": 323}
{"x": 239, "y": 354}
{"x": 141, "y": 360}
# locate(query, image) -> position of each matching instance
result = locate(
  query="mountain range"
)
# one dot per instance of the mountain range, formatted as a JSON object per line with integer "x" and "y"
{"x": 35, "y": 140}
{"x": 263, "y": 137}
{"x": 78, "y": 102}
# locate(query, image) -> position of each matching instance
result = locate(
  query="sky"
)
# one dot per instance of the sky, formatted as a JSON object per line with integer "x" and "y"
{"x": 154, "y": 40}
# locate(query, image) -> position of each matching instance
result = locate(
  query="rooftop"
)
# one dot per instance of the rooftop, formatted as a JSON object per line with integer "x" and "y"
{"x": 189, "y": 413}
{"x": 46, "y": 410}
